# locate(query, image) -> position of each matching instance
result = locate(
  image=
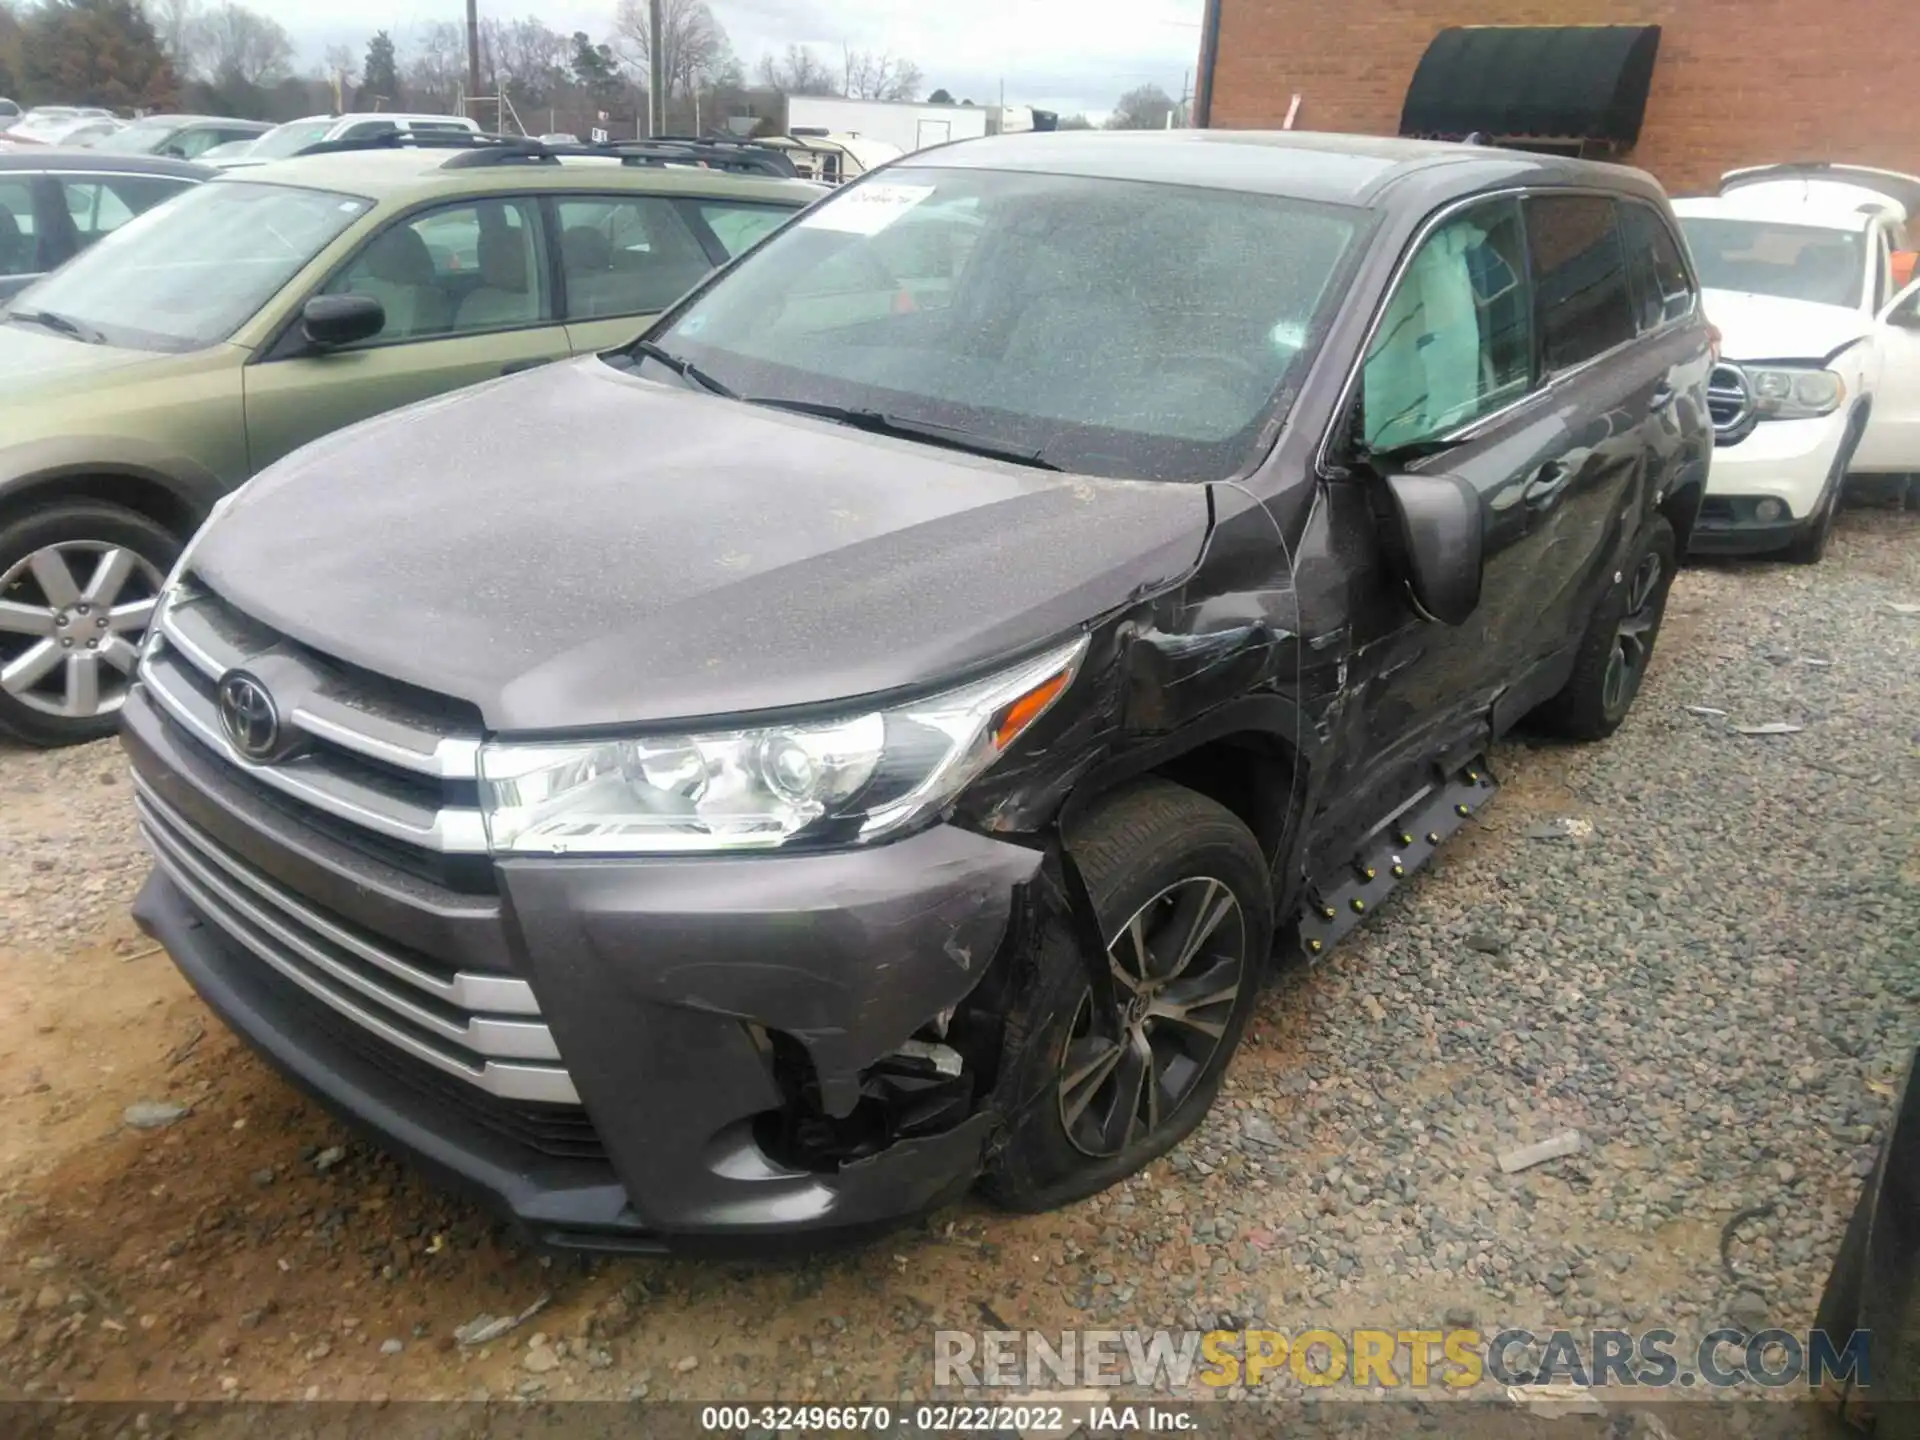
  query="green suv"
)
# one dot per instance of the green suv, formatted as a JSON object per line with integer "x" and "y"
{"x": 264, "y": 309}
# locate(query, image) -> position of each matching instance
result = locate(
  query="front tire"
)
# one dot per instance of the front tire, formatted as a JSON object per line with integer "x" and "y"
{"x": 1618, "y": 646}
{"x": 1186, "y": 907}
{"x": 78, "y": 583}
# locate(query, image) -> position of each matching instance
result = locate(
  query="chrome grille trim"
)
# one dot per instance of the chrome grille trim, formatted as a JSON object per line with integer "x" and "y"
{"x": 248, "y": 909}
{"x": 450, "y": 830}
{"x": 463, "y": 990}
{"x": 1730, "y": 403}
{"x": 188, "y": 623}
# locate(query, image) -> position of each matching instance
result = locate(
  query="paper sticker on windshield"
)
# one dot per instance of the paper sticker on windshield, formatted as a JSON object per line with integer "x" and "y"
{"x": 866, "y": 209}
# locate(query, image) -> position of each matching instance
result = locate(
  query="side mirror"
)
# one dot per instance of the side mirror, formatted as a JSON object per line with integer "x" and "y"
{"x": 330, "y": 321}
{"x": 1435, "y": 534}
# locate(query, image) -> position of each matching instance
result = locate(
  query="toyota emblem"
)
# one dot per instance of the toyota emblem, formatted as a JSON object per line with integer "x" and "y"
{"x": 248, "y": 716}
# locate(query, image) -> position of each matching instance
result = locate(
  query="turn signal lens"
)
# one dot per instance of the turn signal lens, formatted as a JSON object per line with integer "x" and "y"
{"x": 1028, "y": 708}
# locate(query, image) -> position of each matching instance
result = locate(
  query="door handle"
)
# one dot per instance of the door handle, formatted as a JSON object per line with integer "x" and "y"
{"x": 1663, "y": 396}
{"x": 517, "y": 367}
{"x": 1548, "y": 481}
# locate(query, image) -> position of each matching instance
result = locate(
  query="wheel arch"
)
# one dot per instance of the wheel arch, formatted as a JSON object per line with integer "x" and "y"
{"x": 1247, "y": 756}
{"x": 167, "y": 502}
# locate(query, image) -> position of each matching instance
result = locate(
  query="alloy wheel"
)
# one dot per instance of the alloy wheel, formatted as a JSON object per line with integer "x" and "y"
{"x": 1633, "y": 638}
{"x": 1178, "y": 965}
{"x": 71, "y": 618}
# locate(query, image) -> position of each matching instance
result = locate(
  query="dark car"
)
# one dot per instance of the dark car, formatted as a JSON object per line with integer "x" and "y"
{"x": 869, "y": 733}
{"x": 181, "y": 137}
{"x": 55, "y": 203}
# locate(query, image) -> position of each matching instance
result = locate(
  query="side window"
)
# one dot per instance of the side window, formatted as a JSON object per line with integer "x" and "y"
{"x": 626, "y": 255}
{"x": 1579, "y": 278}
{"x": 367, "y": 129}
{"x": 1661, "y": 290}
{"x": 1455, "y": 341}
{"x": 458, "y": 270}
{"x": 99, "y": 206}
{"x": 192, "y": 143}
{"x": 19, "y": 247}
{"x": 739, "y": 227}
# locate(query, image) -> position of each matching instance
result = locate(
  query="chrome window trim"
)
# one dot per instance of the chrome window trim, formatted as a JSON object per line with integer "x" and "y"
{"x": 1324, "y": 467}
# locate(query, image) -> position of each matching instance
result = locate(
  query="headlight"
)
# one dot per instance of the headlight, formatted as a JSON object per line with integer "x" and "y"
{"x": 850, "y": 780}
{"x": 1783, "y": 393}
{"x": 179, "y": 572}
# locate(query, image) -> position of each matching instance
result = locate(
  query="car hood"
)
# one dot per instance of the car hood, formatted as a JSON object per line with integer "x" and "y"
{"x": 33, "y": 360}
{"x": 583, "y": 547}
{"x": 1765, "y": 327}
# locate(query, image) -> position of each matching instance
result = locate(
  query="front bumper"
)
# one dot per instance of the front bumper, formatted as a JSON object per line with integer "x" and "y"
{"x": 670, "y": 987}
{"x": 1789, "y": 461}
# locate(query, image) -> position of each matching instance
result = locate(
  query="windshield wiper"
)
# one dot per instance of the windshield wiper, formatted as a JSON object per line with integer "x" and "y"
{"x": 684, "y": 368}
{"x": 876, "y": 422}
{"x": 60, "y": 325}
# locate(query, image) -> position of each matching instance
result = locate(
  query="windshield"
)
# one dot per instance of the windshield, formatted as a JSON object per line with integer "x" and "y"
{"x": 140, "y": 138}
{"x": 290, "y": 139}
{"x": 1790, "y": 262}
{"x": 192, "y": 270}
{"x": 1109, "y": 327}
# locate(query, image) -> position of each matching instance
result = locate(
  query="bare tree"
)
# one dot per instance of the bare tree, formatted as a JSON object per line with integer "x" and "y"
{"x": 694, "y": 49}
{"x": 798, "y": 72}
{"x": 523, "y": 60}
{"x": 1146, "y": 107}
{"x": 173, "y": 22}
{"x": 872, "y": 75}
{"x": 234, "y": 44}
{"x": 436, "y": 73}
{"x": 342, "y": 64}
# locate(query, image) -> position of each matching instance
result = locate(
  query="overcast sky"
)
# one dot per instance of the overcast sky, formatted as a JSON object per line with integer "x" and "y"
{"x": 1069, "y": 55}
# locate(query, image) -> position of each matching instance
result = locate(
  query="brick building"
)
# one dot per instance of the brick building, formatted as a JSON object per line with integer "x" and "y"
{"x": 1685, "y": 88}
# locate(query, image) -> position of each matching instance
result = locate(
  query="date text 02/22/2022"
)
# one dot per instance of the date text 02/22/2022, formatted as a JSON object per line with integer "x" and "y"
{"x": 961, "y": 1419}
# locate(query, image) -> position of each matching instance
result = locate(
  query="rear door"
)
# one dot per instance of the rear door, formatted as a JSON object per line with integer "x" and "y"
{"x": 468, "y": 297}
{"x": 1613, "y": 392}
{"x": 626, "y": 258}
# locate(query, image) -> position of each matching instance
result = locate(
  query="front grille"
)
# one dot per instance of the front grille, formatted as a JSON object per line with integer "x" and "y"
{"x": 1730, "y": 404}
{"x": 484, "y": 1029}
{"x": 371, "y": 761}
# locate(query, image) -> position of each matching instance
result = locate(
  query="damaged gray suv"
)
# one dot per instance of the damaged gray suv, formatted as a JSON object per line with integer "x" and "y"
{"x": 872, "y": 734}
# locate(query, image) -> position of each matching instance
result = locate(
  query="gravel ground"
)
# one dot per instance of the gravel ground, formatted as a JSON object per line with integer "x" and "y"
{"x": 1711, "y": 973}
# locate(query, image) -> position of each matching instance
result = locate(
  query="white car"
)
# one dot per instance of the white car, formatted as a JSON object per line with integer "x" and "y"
{"x": 1820, "y": 372}
{"x": 284, "y": 141}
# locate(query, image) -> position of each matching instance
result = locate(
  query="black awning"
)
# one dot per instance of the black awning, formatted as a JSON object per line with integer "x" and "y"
{"x": 1549, "y": 82}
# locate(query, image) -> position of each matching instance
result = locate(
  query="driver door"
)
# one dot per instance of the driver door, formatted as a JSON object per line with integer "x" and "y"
{"x": 467, "y": 294}
{"x": 1892, "y": 439}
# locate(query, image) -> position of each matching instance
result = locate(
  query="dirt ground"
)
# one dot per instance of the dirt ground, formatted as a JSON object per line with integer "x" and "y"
{"x": 253, "y": 1249}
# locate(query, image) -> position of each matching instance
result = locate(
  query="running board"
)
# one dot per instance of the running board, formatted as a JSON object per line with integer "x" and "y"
{"x": 1387, "y": 857}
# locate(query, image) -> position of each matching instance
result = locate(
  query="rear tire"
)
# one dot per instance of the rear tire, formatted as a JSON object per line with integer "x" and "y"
{"x": 77, "y": 585}
{"x": 1618, "y": 646}
{"x": 1184, "y": 901}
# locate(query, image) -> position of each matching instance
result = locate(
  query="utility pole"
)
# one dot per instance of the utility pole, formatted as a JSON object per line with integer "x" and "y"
{"x": 473, "y": 49}
{"x": 656, "y": 73}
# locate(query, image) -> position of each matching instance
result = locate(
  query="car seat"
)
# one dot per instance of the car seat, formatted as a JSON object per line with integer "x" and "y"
{"x": 506, "y": 295}
{"x": 397, "y": 270}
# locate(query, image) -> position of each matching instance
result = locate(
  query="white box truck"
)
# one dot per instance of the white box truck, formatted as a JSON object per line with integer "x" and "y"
{"x": 909, "y": 125}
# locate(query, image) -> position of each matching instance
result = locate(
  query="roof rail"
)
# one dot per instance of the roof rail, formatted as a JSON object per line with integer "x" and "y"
{"x": 478, "y": 149}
